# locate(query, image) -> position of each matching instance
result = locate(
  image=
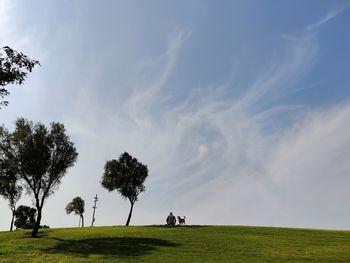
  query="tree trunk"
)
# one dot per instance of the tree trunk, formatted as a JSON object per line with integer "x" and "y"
{"x": 13, "y": 217}
{"x": 129, "y": 217}
{"x": 37, "y": 223}
{"x": 82, "y": 220}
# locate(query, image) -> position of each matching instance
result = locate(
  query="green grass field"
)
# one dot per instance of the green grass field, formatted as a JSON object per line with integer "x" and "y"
{"x": 178, "y": 244}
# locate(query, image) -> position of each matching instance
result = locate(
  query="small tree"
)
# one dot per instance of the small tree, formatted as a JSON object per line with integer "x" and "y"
{"x": 77, "y": 205}
{"x": 126, "y": 175}
{"x": 9, "y": 189}
{"x": 14, "y": 67}
{"x": 25, "y": 217}
{"x": 40, "y": 158}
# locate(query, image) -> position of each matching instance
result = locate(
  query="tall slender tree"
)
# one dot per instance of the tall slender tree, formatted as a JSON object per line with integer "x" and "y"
{"x": 126, "y": 175}
{"x": 14, "y": 67}
{"x": 9, "y": 189}
{"x": 40, "y": 158}
{"x": 77, "y": 205}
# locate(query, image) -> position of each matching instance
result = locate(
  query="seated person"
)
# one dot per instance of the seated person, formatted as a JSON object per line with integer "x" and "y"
{"x": 171, "y": 220}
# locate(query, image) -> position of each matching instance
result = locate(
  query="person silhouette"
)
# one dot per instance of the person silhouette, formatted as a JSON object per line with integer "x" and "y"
{"x": 171, "y": 220}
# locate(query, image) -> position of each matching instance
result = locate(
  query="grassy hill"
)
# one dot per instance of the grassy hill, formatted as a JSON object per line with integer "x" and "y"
{"x": 178, "y": 244}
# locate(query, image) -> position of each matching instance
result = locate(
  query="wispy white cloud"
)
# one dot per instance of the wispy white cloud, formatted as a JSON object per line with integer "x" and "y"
{"x": 331, "y": 14}
{"x": 147, "y": 94}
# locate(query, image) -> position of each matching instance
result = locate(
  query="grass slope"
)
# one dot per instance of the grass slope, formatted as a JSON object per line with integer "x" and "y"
{"x": 178, "y": 244}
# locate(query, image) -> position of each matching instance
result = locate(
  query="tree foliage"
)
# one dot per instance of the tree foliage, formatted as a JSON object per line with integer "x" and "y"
{"x": 25, "y": 217}
{"x": 126, "y": 175}
{"x": 14, "y": 67}
{"x": 40, "y": 158}
{"x": 9, "y": 188}
{"x": 77, "y": 205}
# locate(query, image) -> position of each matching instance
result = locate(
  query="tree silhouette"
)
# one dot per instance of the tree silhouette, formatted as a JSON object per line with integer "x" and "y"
{"x": 25, "y": 217}
{"x": 14, "y": 67}
{"x": 40, "y": 158}
{"x": 9, "y": 188}
{"x": 126, "y": 175}
{"x": 77, "y": 205}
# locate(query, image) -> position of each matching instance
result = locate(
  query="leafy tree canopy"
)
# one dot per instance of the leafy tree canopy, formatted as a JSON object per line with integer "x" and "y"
{"x": 126, "y": 175}
{"x": 39, "y": 157}
{"x": 25, "y": 217}
{"x": 77, "y": 205}
{"x": 9, "y": 187}
{"x": 14, "y": 67}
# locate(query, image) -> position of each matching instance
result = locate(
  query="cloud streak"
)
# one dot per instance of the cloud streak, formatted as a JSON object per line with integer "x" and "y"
{"x": 331, "y": 14}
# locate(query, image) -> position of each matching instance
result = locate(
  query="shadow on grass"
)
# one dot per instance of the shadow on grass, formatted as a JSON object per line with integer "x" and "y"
{"x": 118, "y": 247}
{"x": 28, "y": 234}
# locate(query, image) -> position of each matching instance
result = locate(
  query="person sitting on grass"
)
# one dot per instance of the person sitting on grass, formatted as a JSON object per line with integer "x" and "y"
{"x": 171, "y": 220}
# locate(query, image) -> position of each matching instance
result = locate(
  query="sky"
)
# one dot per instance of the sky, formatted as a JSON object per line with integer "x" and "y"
{"x": 240, "y": 109}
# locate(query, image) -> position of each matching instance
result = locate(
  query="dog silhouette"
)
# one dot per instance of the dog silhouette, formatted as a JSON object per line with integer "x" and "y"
{"x": 181, "y": 220}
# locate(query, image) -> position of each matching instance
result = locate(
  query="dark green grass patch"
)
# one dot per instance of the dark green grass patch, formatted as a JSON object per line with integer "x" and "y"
{"x": 178, "y": 244}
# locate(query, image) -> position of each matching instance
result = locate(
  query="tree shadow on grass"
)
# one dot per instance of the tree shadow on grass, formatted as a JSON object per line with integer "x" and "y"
{"x": 28, "y": 234}
{"x": 118, "y": 247}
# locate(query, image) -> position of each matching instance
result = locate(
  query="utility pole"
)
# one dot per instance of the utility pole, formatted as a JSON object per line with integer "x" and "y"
{"x": 94, "y": 207}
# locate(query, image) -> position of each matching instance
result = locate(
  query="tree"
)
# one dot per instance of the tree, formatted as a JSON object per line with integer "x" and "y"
{"x": 14, "y": 67}
{"x": 126, "y": 175}
{"x": 25, "y": 217}
{"x": 40, "y": 158}
{"x": 77, "y": 205}
{"x": 9, "y": 189}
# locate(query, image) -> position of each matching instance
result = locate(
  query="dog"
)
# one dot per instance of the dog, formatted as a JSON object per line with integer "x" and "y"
{"x": 181, "y": 220}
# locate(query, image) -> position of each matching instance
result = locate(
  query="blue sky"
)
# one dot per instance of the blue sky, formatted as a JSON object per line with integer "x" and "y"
{"x": 240, "y": 109}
